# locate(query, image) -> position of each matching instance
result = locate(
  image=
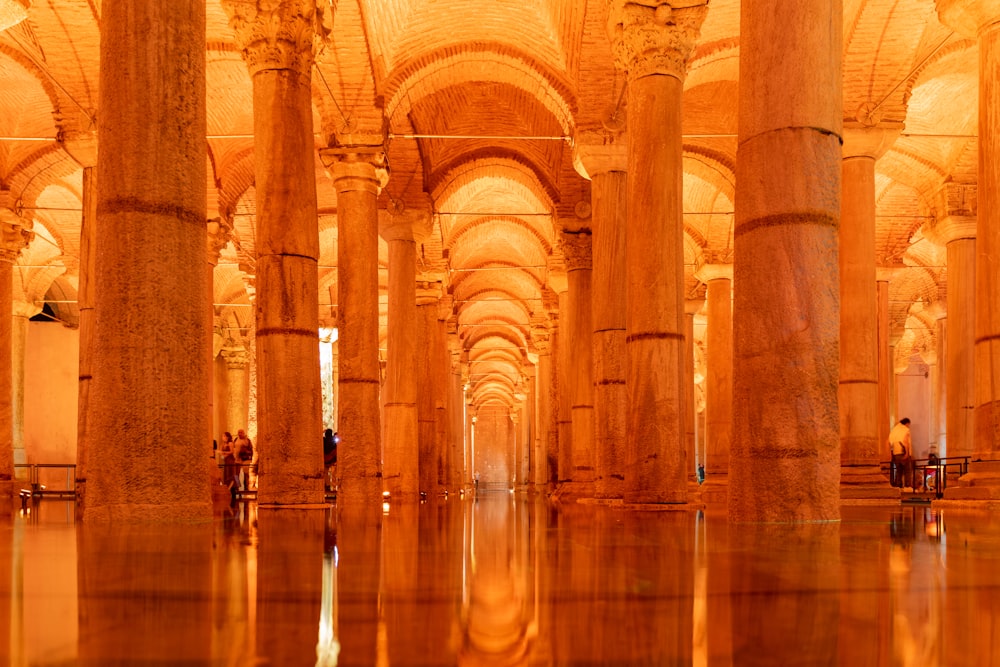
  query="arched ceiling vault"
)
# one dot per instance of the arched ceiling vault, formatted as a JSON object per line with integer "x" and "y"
{"x": 471, "y": 103}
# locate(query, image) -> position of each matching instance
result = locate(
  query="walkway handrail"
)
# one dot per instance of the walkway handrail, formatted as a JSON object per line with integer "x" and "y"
{"x": 34, "y": 478}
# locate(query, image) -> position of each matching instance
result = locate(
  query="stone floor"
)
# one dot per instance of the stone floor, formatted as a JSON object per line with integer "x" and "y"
{"x": 501, "y": 580}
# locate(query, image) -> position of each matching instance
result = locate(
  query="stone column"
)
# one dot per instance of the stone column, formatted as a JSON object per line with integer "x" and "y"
{"x": 955, "y": 229}
{"x": 785, "y": 463}
{"x": 15, "y": 235}
{"x": 691, "y": 307}
{"x": 146, "y": 459}
{"x": 860, "y": 447}
{"x": 440, "y": 390}
{"x": 530, "y": 411}
{"x": 981, "y": 19}
{"x": 941, "y": 383}
{"x": 563, "y": 388}
{"x": 358, "y": 177}
{"x": 882, "y": 277}
{"x": 603, "y": 160}
{"x": 237, "y": 404}
{"x": 22, "y": 311}
{"x": 423, "y": 333}
{"x": 719, "y": 378}
{"x": 86, "y": 302}
{"x": 220, "y": 228}
{"x": 400, "y": 464}
{"x": 456, "y": 410}
{"x": 543, "y": 405}
{"x": 277, "y": 41}
{"x": 652, "y": 46}
{"x": 580, "y": 330}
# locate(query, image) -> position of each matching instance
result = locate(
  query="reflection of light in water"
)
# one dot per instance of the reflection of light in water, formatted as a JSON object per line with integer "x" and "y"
{"x": 328, "y": 648}
{"x": 699, "y": 625}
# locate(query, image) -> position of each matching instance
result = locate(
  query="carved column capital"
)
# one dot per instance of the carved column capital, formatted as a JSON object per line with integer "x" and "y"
{"x": 576, "y": 249}
{"x": 356, "y": 168}
{"x": 968, "y": 17}
{"x": 956, "y": 206}
{"x": 15, "y": 231}
{"x": 276, "y": 34}
{"x": 428, "y": 293}
{"x": 220, "y": 231}
{"x": 236, "y": 358}
{"x": 654, "y": 37}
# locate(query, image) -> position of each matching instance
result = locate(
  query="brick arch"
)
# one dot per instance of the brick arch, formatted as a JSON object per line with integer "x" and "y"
{"x": 436, "y": 70}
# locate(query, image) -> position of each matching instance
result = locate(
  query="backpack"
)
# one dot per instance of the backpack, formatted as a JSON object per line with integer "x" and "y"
{"x": 246, "y": 454}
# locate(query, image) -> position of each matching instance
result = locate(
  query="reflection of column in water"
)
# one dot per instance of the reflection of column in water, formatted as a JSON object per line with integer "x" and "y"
{"x": 784, "y": 611}
{"x": 916, "y": 582}
{"x": 289, "y": 584}
{"x": 699, "y": 623}
{"x": 358, "y": 576}
{"x": 496, "y": 630}
{"x": 327, "y": 647}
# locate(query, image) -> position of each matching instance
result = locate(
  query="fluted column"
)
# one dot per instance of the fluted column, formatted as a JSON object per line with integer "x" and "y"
{"x": 579, "y": 326}
{"x": 652, "y": 46}
{"x": 358, "y": 177}
{"x": 604, "y": 159}
{"x": 860, "y": 447}
{"x": 785, "y": 463}
{"x": 956, "y": 230}
{"x": 400, "y": 465}
{"x": 145, "y": 458}
{"x": 981, "y": 19}
{"x": 277, "y": 41}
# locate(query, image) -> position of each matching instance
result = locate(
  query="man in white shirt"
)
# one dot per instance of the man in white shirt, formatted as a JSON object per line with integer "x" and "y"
{"x": 901, "y": 449}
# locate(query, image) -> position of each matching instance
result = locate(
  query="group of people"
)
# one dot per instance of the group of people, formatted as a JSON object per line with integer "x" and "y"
{"x": 239, "y": 461}
{"x": 236, "y": 454}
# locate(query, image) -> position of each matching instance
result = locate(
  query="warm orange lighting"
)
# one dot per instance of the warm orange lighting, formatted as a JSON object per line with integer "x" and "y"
{"x": 12, "y": 12}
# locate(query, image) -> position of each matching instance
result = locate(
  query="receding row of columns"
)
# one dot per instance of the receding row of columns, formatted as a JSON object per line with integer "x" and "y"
{"x": 789, "y": 360}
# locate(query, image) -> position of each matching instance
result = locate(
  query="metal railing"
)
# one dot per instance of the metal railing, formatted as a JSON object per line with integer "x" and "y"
{"x": 931, "y": 474}
{"x": 42, "y": 484}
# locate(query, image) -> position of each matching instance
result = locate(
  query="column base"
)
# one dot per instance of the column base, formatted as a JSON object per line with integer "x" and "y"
{"x": 715, "y": 489}
{"x": 982, "y": 482}
{"x": 572, "y": 492}
{"x": 866, "y": 485}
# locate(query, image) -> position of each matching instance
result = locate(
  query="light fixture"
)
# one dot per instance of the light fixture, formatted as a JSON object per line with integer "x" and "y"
{"x": 12, "y": 12}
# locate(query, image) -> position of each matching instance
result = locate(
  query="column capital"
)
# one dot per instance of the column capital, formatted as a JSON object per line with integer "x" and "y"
{"x": 861, "y": 140}
{"x": 943, "y": 231}
{"x": 693, "y": 306}
{"x": 80, "y": 144}
{"x": 220, "y": 231}
{"x": 885, "y": 274}
{"x": 968, "y": 17}
{"x": 277, "y": 34}
{"x": 355, "y": 168}
{"x": 25, "y": 309}
{"x": 599, "y": 152}
{"x": 654, "y": 38}
{"x": 446, "y": 306}
{"x": 15, "y": 231}
{"x": 236, "y": 358}
{"x": 709, "y": 272}
{"x": 428, "y": 293}
{"x": 406, "y": 224}
{"x": 576, "y": 250}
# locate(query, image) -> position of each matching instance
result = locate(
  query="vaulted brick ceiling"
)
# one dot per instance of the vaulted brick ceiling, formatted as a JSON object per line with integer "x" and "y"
{"x": 478, "y": 102}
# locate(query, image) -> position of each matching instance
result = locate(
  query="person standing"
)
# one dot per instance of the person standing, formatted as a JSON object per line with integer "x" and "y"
{"x": 228, "y": 462}
{"x": 901, "y": 449}
{"x": 243, "y": 451}
{"x": 330, "y": 440}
